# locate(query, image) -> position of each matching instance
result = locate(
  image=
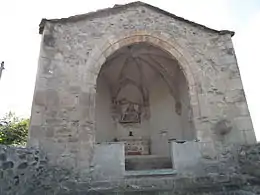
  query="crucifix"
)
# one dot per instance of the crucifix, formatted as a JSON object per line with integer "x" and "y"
{"x": 1, "y": 68}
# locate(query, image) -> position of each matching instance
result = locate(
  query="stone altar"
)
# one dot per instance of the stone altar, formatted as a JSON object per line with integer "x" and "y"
{"x": 135, "y": 146}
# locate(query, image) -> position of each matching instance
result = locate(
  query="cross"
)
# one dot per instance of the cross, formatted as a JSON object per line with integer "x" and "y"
{"x": 1, "y": 68}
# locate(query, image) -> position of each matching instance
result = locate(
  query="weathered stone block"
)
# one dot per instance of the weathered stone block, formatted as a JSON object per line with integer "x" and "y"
{"x": 85, "y": 99}
{"x": 204, "y": 109}
{"x": 235, "y": 96}
{"x": 37, "y": 118}
{"x": 74, "y": 89}
{"x": 7, "y": 165}
{"x": 238, "y": 109}
{"x": 243, "y": 123}
{"x": 23, "y": 165}
{"x": 186, "y": 157}
{"x": 36, "y": 132}
{"x": 49, "y": 132}
{"x": 235, "y": 83}
{"x": 68, "y": 100}
{"x": 2, "y": 157}
{"x": 249, "y": 136}
{"x": 49, "y": 40}
{"x": 52, "y": 97}
{"x": 108, "y": 161}
{"x": 40, "y": 98}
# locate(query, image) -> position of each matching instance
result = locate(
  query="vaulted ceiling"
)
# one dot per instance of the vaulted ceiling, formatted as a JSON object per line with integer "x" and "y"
{"x": 134, "y": 69}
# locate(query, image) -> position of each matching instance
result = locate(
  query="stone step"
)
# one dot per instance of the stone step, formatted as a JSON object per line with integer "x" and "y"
{"x": 150, "y": 173}
{"x": 147, "y": 162}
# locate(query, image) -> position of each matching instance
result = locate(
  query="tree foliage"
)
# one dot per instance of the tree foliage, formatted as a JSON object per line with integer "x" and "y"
{"x": 13, "y": 130}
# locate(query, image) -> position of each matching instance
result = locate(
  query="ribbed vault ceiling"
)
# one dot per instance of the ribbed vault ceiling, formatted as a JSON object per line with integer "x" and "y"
{"x": 136, "y": 68}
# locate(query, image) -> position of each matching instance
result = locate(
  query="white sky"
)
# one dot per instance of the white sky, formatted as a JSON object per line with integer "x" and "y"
{"x": 20, "y": 41}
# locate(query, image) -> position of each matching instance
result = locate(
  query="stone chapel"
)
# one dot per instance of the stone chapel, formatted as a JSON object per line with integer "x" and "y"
{"x": 134, "y": 89}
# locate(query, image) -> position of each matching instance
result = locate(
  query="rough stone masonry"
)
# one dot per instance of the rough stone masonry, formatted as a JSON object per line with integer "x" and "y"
{"x": 74, "y": 49}
{"x": 204, "y": 96}
{"x": 27, "y": 171}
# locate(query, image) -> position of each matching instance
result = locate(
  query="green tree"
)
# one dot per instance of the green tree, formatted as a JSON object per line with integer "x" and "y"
{"x": 13, "y": 130}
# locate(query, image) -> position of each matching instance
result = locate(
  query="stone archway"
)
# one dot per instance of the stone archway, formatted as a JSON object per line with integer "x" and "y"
{"x": 110, "y": 45}
{"x": 142, "y": 100}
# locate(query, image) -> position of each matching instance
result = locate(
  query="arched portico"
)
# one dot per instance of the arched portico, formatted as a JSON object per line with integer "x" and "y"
{"x": 110, "y": 45}
{"x": 119, "y": 94}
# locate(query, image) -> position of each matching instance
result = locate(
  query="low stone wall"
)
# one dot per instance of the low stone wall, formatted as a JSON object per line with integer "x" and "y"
{"x": 249, "y": 160}
{"x": 249, "y": 164}
{"x": 203, "y": 158}
{"x": 186, "y": 157}
{"x": 26, "y": 171}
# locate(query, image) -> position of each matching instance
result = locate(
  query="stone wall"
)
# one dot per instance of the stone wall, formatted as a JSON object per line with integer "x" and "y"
{"x": 25, "y": 171}
{"x": 249, "y": 162}
{"x": 73, "y": 51}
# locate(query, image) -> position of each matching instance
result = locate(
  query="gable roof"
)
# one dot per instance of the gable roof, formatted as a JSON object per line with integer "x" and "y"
{"x": 117, "y": 8}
